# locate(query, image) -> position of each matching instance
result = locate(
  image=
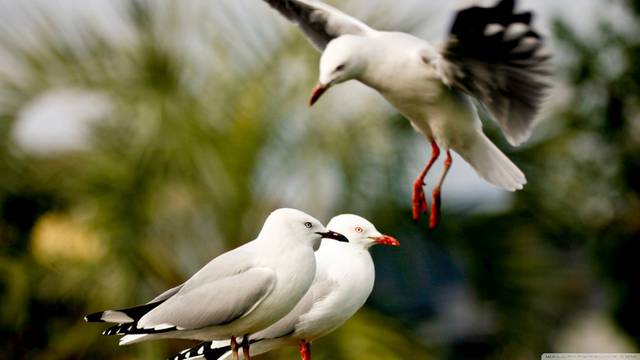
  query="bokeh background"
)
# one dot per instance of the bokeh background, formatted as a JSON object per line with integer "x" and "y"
{"x": 139, "y": 139}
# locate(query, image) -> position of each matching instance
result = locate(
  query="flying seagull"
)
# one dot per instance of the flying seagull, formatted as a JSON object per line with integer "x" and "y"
{"x": 344, "y": 279}
{"x": 492, "y": 55}
{"x": 237, "y": 293}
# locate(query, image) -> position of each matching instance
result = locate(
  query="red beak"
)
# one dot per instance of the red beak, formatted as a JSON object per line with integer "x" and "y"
{"x": 386, "y": 240}
{"x": 316, "y": 93}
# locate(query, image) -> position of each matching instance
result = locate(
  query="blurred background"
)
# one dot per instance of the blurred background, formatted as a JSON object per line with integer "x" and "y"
{"x": 139, "y": 139}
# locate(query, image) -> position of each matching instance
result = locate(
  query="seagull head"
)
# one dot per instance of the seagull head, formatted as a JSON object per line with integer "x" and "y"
{"x": 340, "y": 61}
{"x": 298, "y": 226}
{"x": 360, "y": 231}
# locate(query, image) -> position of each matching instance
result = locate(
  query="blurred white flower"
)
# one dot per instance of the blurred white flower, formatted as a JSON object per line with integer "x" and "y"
{"x": 59, "y": 120}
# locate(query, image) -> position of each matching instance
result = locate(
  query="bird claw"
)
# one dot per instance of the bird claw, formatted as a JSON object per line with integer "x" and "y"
{"x": 245, "y": 348}
{"x": 434, "y": 219}
{"x": 419, "y": 201}
{"x": 234, "y": 348}
{"x": 305, "y": 350}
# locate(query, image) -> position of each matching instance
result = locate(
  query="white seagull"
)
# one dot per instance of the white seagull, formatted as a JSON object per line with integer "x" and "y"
{"x": 344, "y": 279}
{"x": 492, "y": 54}
{"x": 237, "y": 293}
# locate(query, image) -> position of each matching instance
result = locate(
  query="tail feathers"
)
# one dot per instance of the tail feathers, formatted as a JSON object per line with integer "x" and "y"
{"x": 123, "y": 315}
{"x": 492, "y": 165}
{"x": 210, "y": 350}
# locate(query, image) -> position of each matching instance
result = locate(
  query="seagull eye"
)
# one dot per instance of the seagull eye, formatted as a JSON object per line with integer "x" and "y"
{"x": 359, "y": 230}
{"x": 308, "y": 225}
{"x": 340, "y": 67}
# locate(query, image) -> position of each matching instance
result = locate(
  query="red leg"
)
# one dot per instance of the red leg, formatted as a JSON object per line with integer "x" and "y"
{"x": 418, "y": 200}
{"x": 435, "y": 207}
{"x": 305, "y": 350}
{"x": 234, "y": 348}
{"x": 245, "y": 347}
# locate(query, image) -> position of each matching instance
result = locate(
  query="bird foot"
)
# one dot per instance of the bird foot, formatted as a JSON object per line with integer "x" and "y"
{"x": 305, "y": 350}
{"x": 434, "y": 219}
{"x": 418, "y": 201}
{"x": 234, "y": 348}
{"x": 245, "y": 348}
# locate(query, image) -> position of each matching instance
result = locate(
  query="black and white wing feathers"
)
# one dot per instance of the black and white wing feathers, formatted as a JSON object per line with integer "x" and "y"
{"x": 207, "y": 350}
{"x": 191, "y": 308}
{"x": 320, "y": 22}
{"x": 494, "y": 55}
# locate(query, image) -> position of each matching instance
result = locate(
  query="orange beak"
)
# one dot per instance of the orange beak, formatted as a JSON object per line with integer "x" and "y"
{"x": 386, "y": 240}
{"x": 316, "y": 93}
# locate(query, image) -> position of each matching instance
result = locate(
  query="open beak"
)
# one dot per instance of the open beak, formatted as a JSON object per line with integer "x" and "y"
{"x": 385, "y": 240}
{"x": 333, "y": 235}
{"x": 317, "y": 92}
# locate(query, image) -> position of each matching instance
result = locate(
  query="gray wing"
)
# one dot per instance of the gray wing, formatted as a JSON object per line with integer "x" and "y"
{"x": 213, "y": 303}
{"x": 494, "y": 55}
{"x": 167, "y": 294}
{"x": 320, "y": 22}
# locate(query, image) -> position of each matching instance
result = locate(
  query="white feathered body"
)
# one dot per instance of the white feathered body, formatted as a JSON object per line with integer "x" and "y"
{"x": 408, "y": 73}
{"x": 288, "y": 288}
{"x": 349, "y": 271}
{"x": 345, "y": 276}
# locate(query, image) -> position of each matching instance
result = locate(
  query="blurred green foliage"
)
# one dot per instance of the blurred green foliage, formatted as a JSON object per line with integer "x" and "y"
{"x": 197, "y": 147}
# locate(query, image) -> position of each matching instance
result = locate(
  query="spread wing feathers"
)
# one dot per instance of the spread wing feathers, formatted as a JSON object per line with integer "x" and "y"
{"x": 213, "y": 303}
{"x": 320, "y": 22}
{"x": 496, "y": 56}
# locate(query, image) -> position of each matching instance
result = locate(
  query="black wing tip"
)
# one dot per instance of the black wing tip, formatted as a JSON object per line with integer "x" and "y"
{"x": 508, "y": 5}
{"x": 95, "y": 317}
{"x": 201, "y": 350}
{"x": 500, "y": 28}
{"x": 132, "y": 328}
{"x": 502, "y": 13}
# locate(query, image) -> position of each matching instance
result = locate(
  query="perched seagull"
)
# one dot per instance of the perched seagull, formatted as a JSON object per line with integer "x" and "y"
{"x": 491, "y": 54}
{"x": 237, "y": 293}
{"x": 344, "y": 279}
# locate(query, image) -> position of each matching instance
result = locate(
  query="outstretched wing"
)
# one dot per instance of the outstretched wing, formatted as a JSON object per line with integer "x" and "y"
{"x": 320, "y": 22}
{"x": 496, "y": 56}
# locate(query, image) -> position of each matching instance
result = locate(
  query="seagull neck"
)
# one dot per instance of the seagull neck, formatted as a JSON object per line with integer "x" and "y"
{"x": 374, "y": 60}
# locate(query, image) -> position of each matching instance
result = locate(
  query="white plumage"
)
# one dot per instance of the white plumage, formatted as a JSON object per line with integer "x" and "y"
{"x": 492, "y": 55}
{"x": 237, "y": 293}
{"x": 344, "y": 279}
